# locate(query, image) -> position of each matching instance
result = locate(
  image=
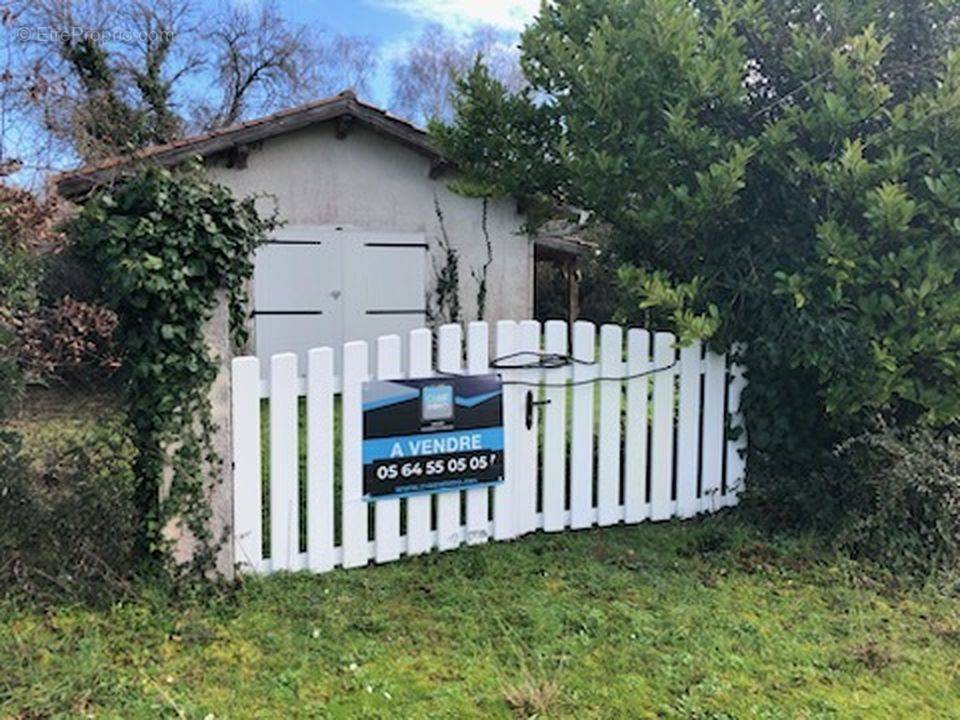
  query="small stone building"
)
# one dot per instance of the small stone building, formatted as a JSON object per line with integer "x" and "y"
{"x": 373, "y": 240}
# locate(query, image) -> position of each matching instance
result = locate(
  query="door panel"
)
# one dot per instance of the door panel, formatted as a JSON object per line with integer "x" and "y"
{"x": 294, "y": 274}
{"x": 291, "y": 333}
{"x": 386, "y": 282}
{"x": 393, "y": 278}
{"x": 285, "y": 277}
{"x": 318, "y": 287}
{"x": 298, "y": 293}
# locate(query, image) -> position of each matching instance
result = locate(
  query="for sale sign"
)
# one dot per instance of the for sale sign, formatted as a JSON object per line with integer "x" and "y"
{"x": 431, "y": 435}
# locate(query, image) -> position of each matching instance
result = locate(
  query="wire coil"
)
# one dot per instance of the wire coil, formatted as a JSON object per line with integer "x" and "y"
{"x": 555, "y": 361}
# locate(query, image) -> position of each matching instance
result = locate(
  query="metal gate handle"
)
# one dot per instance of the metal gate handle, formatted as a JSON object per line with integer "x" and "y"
{"x": 531, "y": 403}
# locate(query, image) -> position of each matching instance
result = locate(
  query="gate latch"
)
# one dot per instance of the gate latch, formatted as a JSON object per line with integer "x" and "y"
{"x": 531, "y": 403}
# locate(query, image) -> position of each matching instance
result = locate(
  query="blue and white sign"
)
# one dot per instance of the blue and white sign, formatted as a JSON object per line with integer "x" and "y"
{"x": 431, "y": 435}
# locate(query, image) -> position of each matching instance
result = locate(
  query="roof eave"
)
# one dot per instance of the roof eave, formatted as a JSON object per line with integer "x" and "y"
{"x": 77, "y": 183}
{"x": 563, "y": 246}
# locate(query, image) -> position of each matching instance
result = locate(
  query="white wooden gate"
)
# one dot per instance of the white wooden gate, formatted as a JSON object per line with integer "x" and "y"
{"x": 605, "y": 452}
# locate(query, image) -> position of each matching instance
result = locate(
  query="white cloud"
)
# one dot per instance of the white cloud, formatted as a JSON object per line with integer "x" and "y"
{"x": 464, "y": 15}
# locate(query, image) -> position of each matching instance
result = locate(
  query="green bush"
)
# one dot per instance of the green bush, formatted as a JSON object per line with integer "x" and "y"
{"x": 888, "y": 495}
{"x": 902, "y": 492}
{"x": 779, "y": 174}
{"x": 68, "y": 521}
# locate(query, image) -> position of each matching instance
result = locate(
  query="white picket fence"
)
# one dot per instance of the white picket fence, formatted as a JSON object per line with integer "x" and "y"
{"x": 629, "y": 451}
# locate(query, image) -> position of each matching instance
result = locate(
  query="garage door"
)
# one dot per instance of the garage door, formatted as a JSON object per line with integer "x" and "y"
{"x": 385, "y": 280}
{"x": 317, "y": 287}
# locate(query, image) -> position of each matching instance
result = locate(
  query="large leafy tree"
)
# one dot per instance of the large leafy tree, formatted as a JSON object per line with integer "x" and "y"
{"x": 780, "y": 173}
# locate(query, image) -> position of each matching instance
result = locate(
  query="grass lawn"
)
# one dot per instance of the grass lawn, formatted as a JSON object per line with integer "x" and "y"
{"x": 676, "y": 620}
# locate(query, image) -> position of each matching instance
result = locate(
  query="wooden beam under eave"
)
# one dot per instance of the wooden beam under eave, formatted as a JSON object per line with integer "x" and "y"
{"x": 237, "y": 157}
{"x": 438, "y": 166}
{"x": 345, "y": 124}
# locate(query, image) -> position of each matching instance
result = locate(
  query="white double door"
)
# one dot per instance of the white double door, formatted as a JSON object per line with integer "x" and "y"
{"x": 317, "y": 287}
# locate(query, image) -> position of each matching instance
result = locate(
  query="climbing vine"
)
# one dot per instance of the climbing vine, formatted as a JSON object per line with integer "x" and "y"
{"x": 167, "y": 245}
{"x": 445, "y": 305}
{"x": 480, "y": 274}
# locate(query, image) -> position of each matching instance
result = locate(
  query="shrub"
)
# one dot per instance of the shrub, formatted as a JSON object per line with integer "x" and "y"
{"x": 49, "y": 331}
{"x": 22, "y": 223}
{"x": 68, "y": 521}
{"x": 903, "y": 493}
{"x": 777, "y": 174}
{"x": 67, "y": 341}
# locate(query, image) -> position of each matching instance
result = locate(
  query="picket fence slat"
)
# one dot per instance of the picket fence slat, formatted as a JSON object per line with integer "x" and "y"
{"x": 661, "y": 474}
{"x": 419, "y": 507}
{"x": 592, "y": 451}
{"x": 581, "y": 441}
{"x": 503, "y": 520}
{"x": 714, "y": 388}
{"x": 386, "y": 521}
{"x": 636, "y": 507}
{"x": 688, "y": 431}
{"x": 449, "y": 360}
{"x": 478, "y": 363}
{"x": 247, "y": 477}
{"x": 320, "y": 459}
{"x": 608, "y": 467}
{"x": 354, "y": 525}
{"x": 525, "y": 481}
{"x": 284, "y": 501}
{"x": 736, "y": 462}
{"x": 555, "y": 429}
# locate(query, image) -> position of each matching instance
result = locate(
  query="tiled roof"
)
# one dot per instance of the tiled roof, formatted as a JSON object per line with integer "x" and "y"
{"x": 346, "y": 104}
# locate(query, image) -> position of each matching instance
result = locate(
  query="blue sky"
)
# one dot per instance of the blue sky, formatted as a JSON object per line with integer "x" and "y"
{"x": 392, "y": 24}
{"x": 395, "y": 23}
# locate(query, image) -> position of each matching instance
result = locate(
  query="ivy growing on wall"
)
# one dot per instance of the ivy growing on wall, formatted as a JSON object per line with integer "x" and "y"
{"x": 166, "y": 246}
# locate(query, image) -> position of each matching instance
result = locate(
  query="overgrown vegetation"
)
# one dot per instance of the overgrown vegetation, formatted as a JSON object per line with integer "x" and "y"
{"x": 68, "y": 340}
{"x": 779, "y": 174}
{"x": 24, "y": 223}
{"x": 904, "y": 499}
{"x": 68, "y": 521}
{"x": 167, "y": 246}
{"x": 51, "y": 333}
{"x": 481, "y": 274}
{"x": 682, "y": 620}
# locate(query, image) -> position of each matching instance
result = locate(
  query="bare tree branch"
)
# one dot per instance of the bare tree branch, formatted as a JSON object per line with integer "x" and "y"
{"x": 159, "y": 25}
{"x": 261, "y": 61}
{"x": 264, "y": 61}
{"x": 83, "y": 79}
{"x": 423, "y": 81}
{"x": 345, "y": 62}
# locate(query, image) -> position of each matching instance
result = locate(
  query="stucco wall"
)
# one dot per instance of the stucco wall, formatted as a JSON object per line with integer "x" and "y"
{"x": 371, "y": 182}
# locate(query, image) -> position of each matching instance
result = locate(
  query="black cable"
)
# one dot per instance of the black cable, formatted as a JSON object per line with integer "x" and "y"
{"x": 555, "y": 361}
{"x": 546, "y": 361}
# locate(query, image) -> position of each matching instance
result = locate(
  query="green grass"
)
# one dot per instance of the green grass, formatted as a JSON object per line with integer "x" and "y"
{"x": 700, "y": 620}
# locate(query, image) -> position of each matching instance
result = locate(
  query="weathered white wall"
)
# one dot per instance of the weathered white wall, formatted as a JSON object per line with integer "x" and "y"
{"x": 371, "y": 182}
